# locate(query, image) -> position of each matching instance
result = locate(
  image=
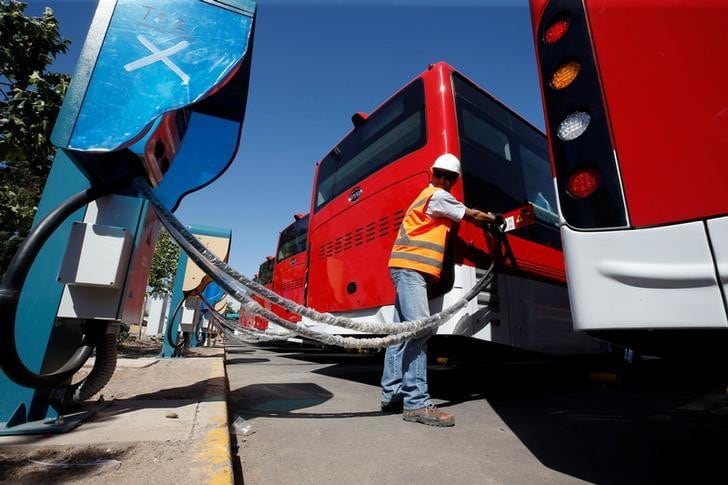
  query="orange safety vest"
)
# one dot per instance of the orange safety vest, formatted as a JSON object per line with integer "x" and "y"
{"x": 420, "y": 244}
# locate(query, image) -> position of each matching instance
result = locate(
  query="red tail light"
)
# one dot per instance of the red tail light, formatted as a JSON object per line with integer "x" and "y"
{"x": 583, "y": 183}
{"x": 557, "y": 29}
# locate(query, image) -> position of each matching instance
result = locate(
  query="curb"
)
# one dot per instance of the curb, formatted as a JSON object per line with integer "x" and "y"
{"x": 213, "y": 456}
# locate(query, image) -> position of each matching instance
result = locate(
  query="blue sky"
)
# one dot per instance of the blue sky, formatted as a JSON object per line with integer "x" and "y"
{"x": 315, "y": 63}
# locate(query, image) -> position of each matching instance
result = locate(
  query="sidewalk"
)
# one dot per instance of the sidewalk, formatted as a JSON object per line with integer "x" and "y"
{"x": 160, "y": 421}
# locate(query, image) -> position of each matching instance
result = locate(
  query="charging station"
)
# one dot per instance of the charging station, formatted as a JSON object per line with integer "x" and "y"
{"x": 213, "y": 300}
{"x": 159, "y": 94}
{"x": 189, "y": 281}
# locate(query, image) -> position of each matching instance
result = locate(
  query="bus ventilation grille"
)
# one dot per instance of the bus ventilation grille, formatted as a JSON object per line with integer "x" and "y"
{"x": 292, "y": 285}
{"x": 383, "y": 227}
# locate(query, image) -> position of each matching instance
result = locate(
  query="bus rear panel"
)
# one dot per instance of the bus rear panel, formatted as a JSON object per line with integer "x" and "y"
{"x": 637, "y": 114}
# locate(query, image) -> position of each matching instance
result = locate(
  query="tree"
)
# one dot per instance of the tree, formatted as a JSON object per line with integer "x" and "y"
{"x": 31, "y": 97}
{"x": 164, "y": 265}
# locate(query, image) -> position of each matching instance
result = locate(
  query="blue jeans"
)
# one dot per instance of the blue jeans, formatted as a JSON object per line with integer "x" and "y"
{"x": 405, "y": 365}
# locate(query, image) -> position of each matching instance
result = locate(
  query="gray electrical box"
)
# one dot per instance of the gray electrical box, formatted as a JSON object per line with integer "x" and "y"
{"x": 96, "y": 255}
{"x": 99, "y": 259}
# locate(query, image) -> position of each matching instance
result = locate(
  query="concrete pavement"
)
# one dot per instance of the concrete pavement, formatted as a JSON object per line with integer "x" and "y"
{"x": 310, "y": 416}
{"x": 314, "y": 418}
{"x": 159, "y": 421}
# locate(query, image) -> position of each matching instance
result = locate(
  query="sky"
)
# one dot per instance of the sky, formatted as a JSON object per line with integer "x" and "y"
{"x": 314, "y": 64}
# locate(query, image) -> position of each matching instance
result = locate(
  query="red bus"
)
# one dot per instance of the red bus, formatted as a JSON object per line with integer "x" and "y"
{"x": 364, "y": 185}
{"x": 289, "y": 270}
{"x": 635, "y": 102}
{"x": 265, "y": 278}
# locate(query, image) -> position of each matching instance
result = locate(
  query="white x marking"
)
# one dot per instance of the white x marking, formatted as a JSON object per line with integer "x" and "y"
{"x": 157, "y": 55}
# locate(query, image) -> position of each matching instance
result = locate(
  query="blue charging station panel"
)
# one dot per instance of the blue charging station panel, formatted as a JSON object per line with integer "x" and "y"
{"x": 143, "y": 59}
{"x": 163, "y": 83}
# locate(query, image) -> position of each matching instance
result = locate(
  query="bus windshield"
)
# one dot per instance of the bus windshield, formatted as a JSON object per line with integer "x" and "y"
{"x": 505, "y": 160}
{"x": 395, "y": 129}
{"x": 265, "y": 272}
{"x": 293, "y": 239}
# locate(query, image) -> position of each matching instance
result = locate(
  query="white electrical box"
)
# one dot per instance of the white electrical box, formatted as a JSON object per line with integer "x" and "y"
{"x": 189, "y": 311}
{"x": 96, "y": 256}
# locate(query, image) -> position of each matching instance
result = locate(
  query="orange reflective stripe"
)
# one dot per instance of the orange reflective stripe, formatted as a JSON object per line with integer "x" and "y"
{"x": 419, "y": 203}
{"x": 405, "y": 240}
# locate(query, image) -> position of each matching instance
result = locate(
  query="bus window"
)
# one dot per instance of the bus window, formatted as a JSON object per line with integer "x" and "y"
{"x": 293, "y": 239}
{"x": 394, "y": 130}
{"x": 486, "y": 135}
{"x": 539, "y": 185}
{"x": 505, "y": 163}
{"x": 490, "y": 180}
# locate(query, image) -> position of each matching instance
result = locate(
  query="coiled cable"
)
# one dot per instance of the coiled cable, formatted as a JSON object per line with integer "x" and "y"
{"x": 226, "y": 277}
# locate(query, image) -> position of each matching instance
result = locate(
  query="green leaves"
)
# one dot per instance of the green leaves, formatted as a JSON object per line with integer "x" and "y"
{"x": 28, "y": 43}
{"x": 164, "y": 265}
{"x": 30, "y": 98}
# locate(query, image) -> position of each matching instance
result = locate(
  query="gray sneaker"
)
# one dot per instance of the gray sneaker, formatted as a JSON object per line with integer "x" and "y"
{"x": 429, "y": 415}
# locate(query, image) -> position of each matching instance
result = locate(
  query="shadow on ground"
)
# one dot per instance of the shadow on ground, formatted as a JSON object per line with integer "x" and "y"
{"x": 590, "y": 418}
{"x": 283, "y": 401}
{"x": 656, "y": 425}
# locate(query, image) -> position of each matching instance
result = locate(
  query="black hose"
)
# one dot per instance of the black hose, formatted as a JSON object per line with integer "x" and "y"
{"x": 213, "y": 313}
{"x": 176, "y": 343}
{"x": 12, "y": 284}
{"x": 502, "y": 250}
{"x": 101, "y": 373}
{"x": 199, "y": 331}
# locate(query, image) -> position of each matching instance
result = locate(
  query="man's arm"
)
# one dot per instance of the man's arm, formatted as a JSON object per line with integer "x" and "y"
{"x": 444, "y": 204}
{"x": 480, "y": 218}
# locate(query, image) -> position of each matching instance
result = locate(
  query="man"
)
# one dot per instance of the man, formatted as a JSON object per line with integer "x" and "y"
{"x": 416, "y": 262}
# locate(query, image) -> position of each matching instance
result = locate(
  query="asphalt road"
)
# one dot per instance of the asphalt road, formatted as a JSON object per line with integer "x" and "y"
{"x": 310, "y": 416}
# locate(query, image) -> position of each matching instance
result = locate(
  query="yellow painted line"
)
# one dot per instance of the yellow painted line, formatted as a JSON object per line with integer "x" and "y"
{"x": 216, "y": 454}
{"x": 214, "y": 458}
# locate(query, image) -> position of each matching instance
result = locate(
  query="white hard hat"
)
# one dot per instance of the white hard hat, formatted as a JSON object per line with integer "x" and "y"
{"x": 447, "y": 161}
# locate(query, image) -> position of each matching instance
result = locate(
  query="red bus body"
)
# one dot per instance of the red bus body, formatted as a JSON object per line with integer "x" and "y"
{"x": 361, "y": 192}
{"x": 289, "y": 271}
{"x": 265, "y": 278}
{"x": 647, "y": 250}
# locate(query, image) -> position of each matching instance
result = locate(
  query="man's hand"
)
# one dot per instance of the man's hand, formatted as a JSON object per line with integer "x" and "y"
{"x": 498, "y": 219}
{"x": 480, "y": 218}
